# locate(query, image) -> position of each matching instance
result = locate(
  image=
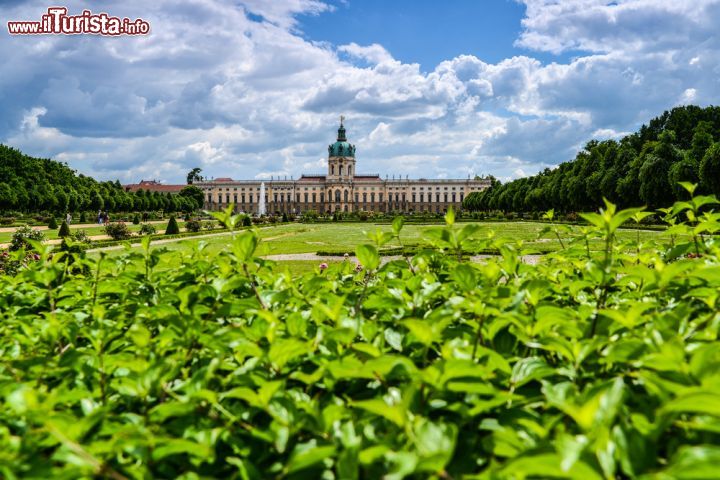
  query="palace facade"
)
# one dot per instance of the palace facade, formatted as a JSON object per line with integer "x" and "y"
{"x": 342, "y": 189}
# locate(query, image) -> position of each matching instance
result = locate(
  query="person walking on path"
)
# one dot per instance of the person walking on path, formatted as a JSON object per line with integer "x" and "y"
{"x": 68, "y": 218}
{"x": 99, "y": 217}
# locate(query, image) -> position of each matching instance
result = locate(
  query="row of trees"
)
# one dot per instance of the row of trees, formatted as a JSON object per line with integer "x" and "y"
{"x": 641, "y": 169}
{"x": 31, "y": 184}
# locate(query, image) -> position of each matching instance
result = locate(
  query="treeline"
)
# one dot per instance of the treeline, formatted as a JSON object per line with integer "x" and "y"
{"x": 29, "y": 184}
{"x": 641, "y": 169}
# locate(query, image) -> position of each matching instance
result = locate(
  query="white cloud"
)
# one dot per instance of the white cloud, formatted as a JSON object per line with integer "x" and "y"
{"x": 688, "y": 96}
{"x": 372, "y": 53}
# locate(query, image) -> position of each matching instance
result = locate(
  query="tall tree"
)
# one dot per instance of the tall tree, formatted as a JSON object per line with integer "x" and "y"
{"x": 194, "y": 176}
{"x": 710, "y": 169}
{"x": 195, "y": 195}
{"x": 702, "y": 140}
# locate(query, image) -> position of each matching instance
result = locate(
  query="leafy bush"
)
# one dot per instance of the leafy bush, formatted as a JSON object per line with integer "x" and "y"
{"x": 22, "y": 235}
{"x": 172, "y": 227}
{"x": 136, "y": 219}
{"x": 80, "y": 236}
{"x": 147, "y": 229}
{"x": 193, "y": 226}
{"x": 309, "y": 216}
{"x": 64, "y": 230}
{"x": 7, "y": 220}
{"x": 209, "y": 225}
{"x": 571, "y": 217}
{"x": 83, "y": 217}
{"x": 12, "y": 262}
{"x": 587, "y": 365}
{"x": 118, "y": 230}
{"x": 52, "y": 224}
{"x": 246, "y": 221}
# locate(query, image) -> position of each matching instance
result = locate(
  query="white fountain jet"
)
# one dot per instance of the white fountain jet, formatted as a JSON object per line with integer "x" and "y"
{"x": 261, "y": 203}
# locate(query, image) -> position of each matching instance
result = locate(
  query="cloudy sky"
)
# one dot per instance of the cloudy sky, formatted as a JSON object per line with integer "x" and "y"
{"x": 254, "y": 88}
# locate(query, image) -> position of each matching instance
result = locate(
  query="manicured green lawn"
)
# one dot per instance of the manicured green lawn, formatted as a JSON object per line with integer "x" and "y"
{"x": 311, "y": 238}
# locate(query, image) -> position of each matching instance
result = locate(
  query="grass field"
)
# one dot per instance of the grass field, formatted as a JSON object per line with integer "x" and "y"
{"x": 311, "y": 238}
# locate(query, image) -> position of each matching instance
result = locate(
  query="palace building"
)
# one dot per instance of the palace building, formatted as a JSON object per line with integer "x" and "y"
{"x": 341, "y": 189}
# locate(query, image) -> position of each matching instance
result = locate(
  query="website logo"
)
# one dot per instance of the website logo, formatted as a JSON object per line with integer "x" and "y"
{"x": 57, "y": 22}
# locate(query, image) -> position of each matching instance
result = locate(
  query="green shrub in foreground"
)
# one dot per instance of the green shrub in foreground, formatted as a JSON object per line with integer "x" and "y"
{"x": 583, "y": 366}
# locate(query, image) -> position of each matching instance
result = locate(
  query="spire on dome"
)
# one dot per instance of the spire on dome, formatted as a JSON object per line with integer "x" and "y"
{"x": 341, "y": 131}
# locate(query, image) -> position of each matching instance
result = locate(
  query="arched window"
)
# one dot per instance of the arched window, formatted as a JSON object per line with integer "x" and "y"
{"x": 346, "y": 195}
{"x": 349, "y": 170}
{"x": 340, "y": 171}
{"x": 337, "y": 196}
{"x": 332, "y": 169}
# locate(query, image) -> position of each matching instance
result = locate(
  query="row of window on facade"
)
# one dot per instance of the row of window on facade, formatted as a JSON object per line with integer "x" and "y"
{"x": 342, "y": 197}
{"x": 306, "y": 188}
{"x": 340, "y": 170}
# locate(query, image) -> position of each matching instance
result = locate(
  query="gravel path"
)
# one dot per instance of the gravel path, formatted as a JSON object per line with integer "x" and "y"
{"x": 173, "y": 240}
{"x": 529, "y": 259}
{"x": 159, "y": 242}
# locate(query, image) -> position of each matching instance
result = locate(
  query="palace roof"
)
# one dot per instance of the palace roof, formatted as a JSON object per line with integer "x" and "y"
{"x": 153, "y": 186}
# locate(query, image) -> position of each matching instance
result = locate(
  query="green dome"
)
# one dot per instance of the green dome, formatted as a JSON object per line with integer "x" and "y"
{"x": 341, "y": 148}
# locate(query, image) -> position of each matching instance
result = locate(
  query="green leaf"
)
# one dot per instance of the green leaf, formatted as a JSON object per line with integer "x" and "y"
{"x": 529, "y": 369}
{"x": 397, "y": 224}
{"x": 420, "y": 330}
{"x": 465, "y": 276}
{"x": 394, "y": 339}
{"x": 284, "y": 350}
{"x": 695, "y": 401}
{"x": 435, "y": 444}
{"x": 308, "y": 454}
{"x": 177, "y": 446}
{"x": 694, "y": 463}
{"x": 244, "y": 245}
{"x": 377, "y": 406}
{"x": 368, "y": 256}
{"x": 450, "y": 217}
{"x": 547, "y": 465}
